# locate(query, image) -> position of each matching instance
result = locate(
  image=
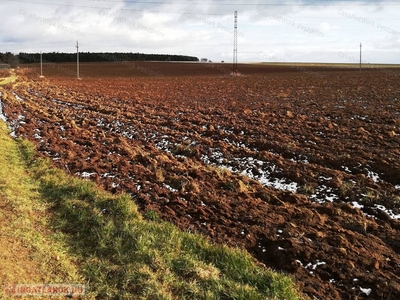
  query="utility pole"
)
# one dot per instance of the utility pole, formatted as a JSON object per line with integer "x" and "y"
{"x": 77, "y": 60}
{"x": 41, "y": 64}
{"x": 235, "y": 43}
{"x": 360, "y": 55}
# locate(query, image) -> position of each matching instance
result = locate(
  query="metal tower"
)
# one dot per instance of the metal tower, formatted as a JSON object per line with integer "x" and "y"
{"x": 235, "y": 44}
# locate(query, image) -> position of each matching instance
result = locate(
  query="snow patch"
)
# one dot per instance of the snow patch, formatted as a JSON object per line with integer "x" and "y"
{"x": 17, "y": 97}
{"x": 85, "y": 174}
{"x": 366, "y": 291}
{"x": 357, "y": 205}
{"x": 388, "y": 211}
{"x": 108, "y": 175}
{"x": 314, "y": 266}
{"x": 299, "y": 262}
{"x": 170, "y": 188}
{"x": 374, "y": 176}
{"x": 279, "y": 184}
{"x": 2, "y": 116}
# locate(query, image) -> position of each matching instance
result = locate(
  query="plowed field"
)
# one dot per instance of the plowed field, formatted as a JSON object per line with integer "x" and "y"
{"x": 299, "y": 166}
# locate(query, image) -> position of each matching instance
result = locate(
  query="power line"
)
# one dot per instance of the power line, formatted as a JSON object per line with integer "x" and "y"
{"x": 324, "y": 2}
{"x": 107, "y": 8}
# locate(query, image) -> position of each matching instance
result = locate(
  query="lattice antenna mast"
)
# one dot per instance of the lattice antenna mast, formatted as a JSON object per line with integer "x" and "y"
{"x": 360, "y": 55}
{"x": 235, "y": 43}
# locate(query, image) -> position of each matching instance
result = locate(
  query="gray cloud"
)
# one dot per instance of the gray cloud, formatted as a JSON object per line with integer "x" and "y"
{"x": 309, "y": 31}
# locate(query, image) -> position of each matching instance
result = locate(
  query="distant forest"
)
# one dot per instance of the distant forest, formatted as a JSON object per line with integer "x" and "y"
{"x": 57, "y": 57}
{"x": 8, "y": 58}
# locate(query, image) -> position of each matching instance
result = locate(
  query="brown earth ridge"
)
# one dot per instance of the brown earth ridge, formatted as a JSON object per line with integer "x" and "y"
{"x": 275, "y": 161}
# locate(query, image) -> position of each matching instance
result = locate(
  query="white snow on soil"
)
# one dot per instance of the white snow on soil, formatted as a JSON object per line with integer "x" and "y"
{"x": 388, "y": 211}
{"x": 374, "y": 176}
{"x": 2, "y": 116}
{"x": 267, "y": 173}
{"x": 17, "y": 97}
{"x": 357, "y": 205}
{"x": 85, "y": 174}
{"x": 279, "y": 184}
{"x": 314, "y": 266}
{"x": 366, "y": 291}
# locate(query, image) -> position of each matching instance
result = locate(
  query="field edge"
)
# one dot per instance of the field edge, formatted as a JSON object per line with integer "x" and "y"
{"x": 93, "y": 236}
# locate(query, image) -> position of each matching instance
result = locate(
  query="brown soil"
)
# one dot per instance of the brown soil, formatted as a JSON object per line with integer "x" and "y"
{"x": 332, "y": 136}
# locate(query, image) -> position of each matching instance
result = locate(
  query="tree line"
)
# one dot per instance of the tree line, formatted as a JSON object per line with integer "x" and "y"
{"x": 58, "y": 57}
{"x": 9, "y": 59}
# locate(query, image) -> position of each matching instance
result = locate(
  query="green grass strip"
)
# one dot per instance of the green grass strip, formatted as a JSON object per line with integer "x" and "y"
{"x": 124, "y": 256}
{"x": 29, "y": 252}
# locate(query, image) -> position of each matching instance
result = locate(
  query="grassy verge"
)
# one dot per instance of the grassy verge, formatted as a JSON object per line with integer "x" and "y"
{"x": 29, "y": 252}
{"x": 123, "y": 256}
{"x": 5, "y": 77}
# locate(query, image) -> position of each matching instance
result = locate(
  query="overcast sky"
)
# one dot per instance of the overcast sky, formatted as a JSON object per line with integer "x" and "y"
{"x": 268, "y": 30}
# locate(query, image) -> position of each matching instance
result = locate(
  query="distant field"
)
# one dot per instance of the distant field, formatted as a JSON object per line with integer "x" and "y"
{"x": 167, "y": 69}
{"x": 330, "y": 65}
